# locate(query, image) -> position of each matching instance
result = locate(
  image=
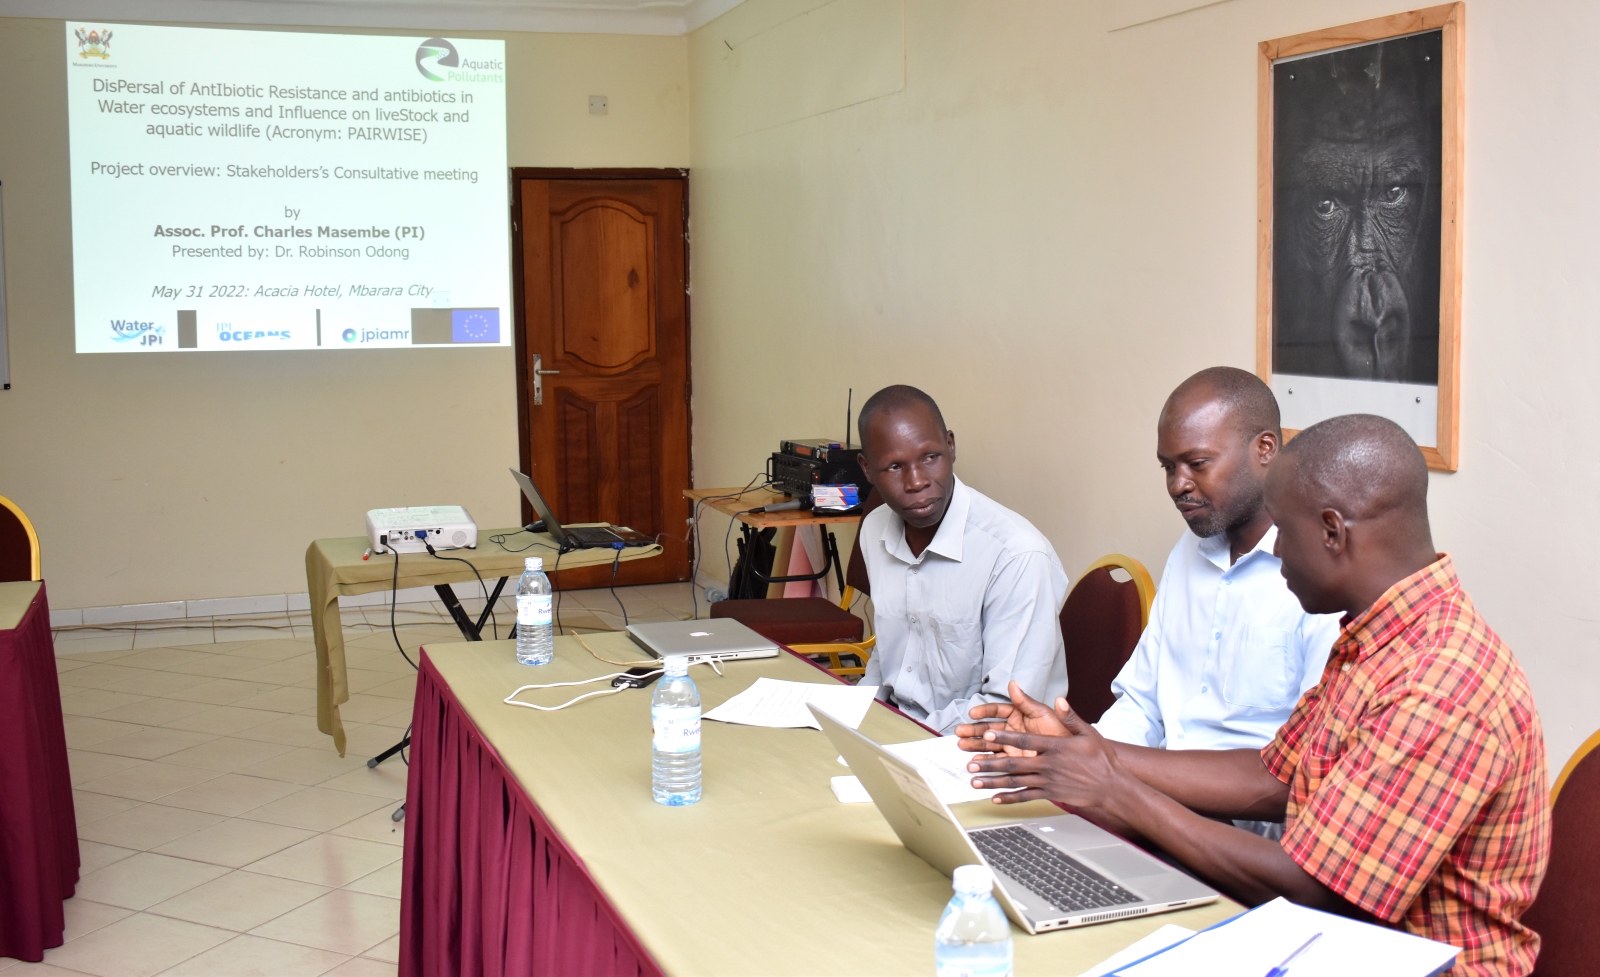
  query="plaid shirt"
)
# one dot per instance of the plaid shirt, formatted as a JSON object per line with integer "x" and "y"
{"x": 1416, "y": 773}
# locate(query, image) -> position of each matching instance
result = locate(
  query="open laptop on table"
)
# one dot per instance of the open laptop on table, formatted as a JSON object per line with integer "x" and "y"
{"x": 578, "y": 537}
{"x": 1050, "y": 873}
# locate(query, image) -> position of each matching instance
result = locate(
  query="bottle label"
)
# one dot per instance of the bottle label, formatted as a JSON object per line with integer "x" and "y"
{"x": 995, "y": 966}
{"x": 677, "y": 728}
{"x": 533, "y": 610}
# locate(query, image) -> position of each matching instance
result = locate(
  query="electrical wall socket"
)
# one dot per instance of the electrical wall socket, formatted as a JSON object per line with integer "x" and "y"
{"x": 598, "y": 104}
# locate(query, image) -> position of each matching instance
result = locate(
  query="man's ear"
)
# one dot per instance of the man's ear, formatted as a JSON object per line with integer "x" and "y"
{"x": 950, "y": 445}
{"x": 1266, "y": 447}
{"x": 865, "y": 466}
{"x": 1335, "y": 532}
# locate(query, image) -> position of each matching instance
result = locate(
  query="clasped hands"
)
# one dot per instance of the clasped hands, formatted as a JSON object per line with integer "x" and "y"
{"x": 1039, "y": 752}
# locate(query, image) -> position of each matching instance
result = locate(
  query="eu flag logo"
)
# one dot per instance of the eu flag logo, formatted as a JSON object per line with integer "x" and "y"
{"x": 474, "y": 325}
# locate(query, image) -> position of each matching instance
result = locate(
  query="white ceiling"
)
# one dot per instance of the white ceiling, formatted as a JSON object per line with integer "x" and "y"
{"x": 562, "y": 16}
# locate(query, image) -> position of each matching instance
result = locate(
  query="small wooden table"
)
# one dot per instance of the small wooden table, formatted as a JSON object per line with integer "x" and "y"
{"x": 736, "y": 505}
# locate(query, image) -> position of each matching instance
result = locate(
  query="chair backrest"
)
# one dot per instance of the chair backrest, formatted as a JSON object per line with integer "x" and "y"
{"x": 1100, "y": 624}
{"x": 1568, "y": 902}
{"x": 855, "y": 573}
{"x": 19, "y": 544}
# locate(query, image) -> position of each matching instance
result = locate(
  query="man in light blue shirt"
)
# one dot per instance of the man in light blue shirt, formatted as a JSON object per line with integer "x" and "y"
{"x": 966, "y": 594}
{"x": 1228, "y": 649}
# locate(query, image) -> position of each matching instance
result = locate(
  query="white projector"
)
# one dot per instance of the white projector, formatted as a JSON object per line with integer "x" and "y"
{"x": 414, "y": 528}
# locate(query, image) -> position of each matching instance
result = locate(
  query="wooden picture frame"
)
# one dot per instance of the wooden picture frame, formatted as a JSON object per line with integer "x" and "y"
{"x": 1352, "y": 325}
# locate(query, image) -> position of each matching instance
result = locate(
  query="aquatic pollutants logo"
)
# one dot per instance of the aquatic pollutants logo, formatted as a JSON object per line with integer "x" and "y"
{"x": 436, "y": 52}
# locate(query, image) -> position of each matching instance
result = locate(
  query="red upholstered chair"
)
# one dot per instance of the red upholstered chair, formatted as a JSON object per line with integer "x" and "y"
{"x": 814, "y": 626}
{"x": 1100, "y": 625}
{"x": 19, "y": 544}
{"x": 1566, "y": 910}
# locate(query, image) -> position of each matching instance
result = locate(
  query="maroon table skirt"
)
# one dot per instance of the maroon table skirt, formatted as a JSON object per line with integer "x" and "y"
{"x": 38, "y": 830}
{"x": 489, "y": 887}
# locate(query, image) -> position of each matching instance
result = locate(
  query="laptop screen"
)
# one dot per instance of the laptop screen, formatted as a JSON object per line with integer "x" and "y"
{"x": 551, "y": 524}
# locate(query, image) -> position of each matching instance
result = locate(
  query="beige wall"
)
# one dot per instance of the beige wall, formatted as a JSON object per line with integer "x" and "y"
{"x": 190, "y": 476}
{"x": 1048, "y": 225}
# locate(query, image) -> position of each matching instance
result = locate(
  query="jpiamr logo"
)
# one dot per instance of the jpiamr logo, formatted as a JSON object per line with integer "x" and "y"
{"x": 437, "y": 53}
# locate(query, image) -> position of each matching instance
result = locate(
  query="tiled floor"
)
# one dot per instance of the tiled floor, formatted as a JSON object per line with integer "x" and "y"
{"x": 220, "y": 833}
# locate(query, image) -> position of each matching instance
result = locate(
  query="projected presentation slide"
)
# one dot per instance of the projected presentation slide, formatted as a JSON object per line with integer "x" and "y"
{"x": 250, "y": 190}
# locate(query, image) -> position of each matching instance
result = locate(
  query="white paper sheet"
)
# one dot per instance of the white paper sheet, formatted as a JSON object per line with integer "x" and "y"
{"x": 782, "y": 705}
{"x": 1261, "y": 939}
{"x": 1159, "y": 940}
{"x": 943, "y": 762}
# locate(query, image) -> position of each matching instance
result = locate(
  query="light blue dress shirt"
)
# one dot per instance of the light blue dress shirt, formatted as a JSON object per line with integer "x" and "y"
{"x": 1226, "y": 654}
{"x": 979, "y": 607}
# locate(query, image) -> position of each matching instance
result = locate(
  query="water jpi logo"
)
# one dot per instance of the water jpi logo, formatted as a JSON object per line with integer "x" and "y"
{"x": 137, "y": 331}
{"x": 93, "y": 43}
{"x": 349, "y": 335}
{"x": 436, "y": 52}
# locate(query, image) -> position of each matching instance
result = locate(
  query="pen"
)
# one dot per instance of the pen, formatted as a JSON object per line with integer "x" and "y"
{"x": 1283, "y": 968}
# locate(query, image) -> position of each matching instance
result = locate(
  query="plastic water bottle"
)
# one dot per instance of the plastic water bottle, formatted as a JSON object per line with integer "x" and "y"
{"x": 675, "y": 717}
{"x": 535, "y": 636}
{"x": 974, "y": 937}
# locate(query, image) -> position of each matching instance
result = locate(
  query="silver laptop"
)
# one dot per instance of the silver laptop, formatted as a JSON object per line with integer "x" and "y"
{"x": 718, "y": 639}
{"x": 1050, "y": 873}
{"x": 577, "y": 537}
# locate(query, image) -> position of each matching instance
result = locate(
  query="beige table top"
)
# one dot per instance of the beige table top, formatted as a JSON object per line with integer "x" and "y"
{"x": 15, "y": 597}
{"x": 334, "y": 568}
{"x": 768, "y": 874}
{"x": 731, "y": 502}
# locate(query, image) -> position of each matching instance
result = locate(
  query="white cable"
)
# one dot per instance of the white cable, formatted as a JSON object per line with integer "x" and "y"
{"x": 510, "y": 700}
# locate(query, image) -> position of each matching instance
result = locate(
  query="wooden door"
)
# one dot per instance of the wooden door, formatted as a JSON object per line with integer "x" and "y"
{"x": 602, "y": 303}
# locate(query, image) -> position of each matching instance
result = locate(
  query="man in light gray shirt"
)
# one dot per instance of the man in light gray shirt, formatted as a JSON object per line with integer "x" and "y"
{"x": 966, "y": 594}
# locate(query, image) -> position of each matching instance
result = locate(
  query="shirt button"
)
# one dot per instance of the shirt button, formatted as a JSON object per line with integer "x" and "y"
{"x": 1216, "y": 634}
{"x": 1204, "y": 689}
{"x": 908, "y": 668}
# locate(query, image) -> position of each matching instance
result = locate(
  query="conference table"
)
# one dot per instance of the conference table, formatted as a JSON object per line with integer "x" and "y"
{"x": 345, "y": 566}
{"x": 38, "y": 831}
{"x": 533, "y": 846}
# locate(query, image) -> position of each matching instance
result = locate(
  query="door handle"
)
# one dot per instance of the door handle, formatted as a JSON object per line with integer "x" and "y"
{"x": 539, "y": 373}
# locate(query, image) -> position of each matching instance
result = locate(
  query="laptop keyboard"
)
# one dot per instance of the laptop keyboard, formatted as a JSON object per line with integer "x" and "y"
{"x": 1048, "y": 871}
{"x": 593, "y": 536}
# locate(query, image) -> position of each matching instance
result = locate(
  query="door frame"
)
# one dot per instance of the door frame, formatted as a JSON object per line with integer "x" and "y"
{"x": 519, "y": 333}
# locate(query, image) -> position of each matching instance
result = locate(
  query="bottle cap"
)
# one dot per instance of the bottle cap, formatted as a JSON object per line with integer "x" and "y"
{"x": 675, "y": 665}
{"x": 533, "y": 563}
{"x": 973, "y": 879}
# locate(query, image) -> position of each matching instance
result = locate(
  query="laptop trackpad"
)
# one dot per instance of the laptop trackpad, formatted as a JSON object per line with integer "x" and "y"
{"x": 1122, "y": 861}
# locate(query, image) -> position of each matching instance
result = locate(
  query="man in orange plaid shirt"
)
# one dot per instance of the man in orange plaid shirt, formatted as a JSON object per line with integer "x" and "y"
{"x": 1411, "y": 779}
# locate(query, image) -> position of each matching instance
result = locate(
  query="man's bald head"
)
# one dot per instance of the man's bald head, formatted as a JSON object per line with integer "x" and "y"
{"x": 1350, "y": 498}
{"x": 893, "y": 399}
{"x": 1248, "y": 402}
{"x": 1363, "y": 465}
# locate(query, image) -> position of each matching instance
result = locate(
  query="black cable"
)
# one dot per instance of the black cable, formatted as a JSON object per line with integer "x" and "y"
{"x": 615, "y": 562}
{"x": 695, "y": 513}
{"x": 485, "y": 587}
{"x": 559, "y": 554}
{"x": 393, "y": 596}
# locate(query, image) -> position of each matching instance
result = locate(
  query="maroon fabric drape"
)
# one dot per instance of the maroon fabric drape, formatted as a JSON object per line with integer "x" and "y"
{"x": 489, "y": 887}
{"x": 38, "y": 828}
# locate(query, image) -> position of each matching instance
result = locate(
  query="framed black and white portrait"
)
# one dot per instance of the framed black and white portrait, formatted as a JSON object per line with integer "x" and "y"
{"x": 1359, "y": 278}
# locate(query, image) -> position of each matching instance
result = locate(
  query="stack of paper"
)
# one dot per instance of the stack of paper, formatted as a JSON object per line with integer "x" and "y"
{"x": 1255, "y": 942}
{"x": 775, "y": 703}
{"x": 941, "y": 760}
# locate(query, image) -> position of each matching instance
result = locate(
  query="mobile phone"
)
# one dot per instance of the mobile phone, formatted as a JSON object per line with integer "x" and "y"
{"x": 637, "y": 678}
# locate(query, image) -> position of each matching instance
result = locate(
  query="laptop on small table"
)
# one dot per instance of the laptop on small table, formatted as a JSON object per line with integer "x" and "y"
{"x": 578, "y": 537}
